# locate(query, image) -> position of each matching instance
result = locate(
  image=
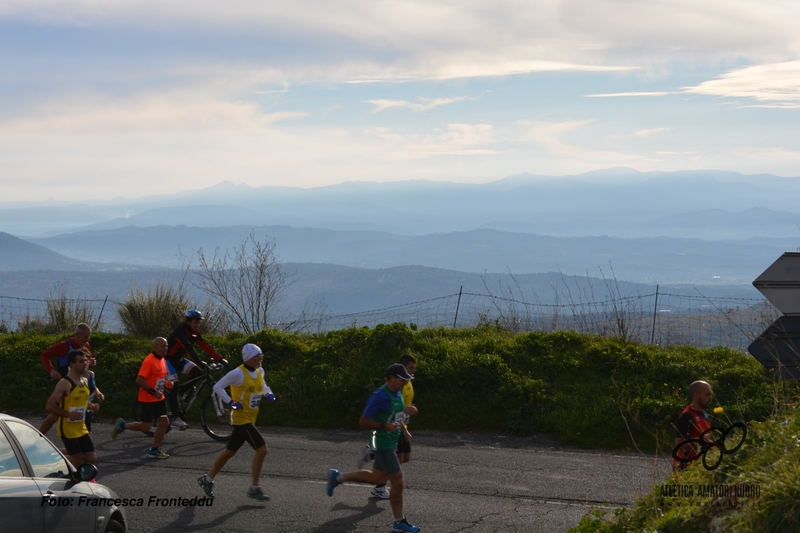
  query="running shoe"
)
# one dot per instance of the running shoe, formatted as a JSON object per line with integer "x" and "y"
{"x": 157, "y": 454}
{"x": 208, "y": 485}
{"x": 364, "y": 458}
{"x": 119, "y": 427}
{"x": 402, "y": 526}
{"x": 257, "y": 494}
{"x": 332, "y": 481}
{"x": 177, "y": 423}
{"x": 380, "y": 492}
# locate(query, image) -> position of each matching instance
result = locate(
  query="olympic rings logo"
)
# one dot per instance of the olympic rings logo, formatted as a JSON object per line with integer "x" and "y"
{"x": 712, "y": 445}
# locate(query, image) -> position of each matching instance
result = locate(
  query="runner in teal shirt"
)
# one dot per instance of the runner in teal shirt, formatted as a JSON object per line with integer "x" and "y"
{"x": 384, "y": 415}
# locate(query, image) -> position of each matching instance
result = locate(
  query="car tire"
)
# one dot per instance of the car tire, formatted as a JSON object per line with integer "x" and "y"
{"x": 114, "y": 527}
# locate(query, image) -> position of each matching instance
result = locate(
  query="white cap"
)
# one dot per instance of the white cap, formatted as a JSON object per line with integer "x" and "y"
{"x": 249, "y": 351}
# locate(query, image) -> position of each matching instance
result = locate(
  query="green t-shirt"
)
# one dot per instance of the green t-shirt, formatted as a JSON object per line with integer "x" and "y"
{"x": 385, "y": 407}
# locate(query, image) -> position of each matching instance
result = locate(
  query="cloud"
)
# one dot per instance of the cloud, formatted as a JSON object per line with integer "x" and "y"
{"x": 551, "y": 137}
{"x": 455, "y": 139}
{"x": 162, "y": 114}
{"x": 770, "y": 82}
{"x": 616, "y": 95}
{"x": 649, "y": 132}
{"x": 402, "y": 40}
{"x": 425, "y": 104}
{"x": 491, "y": 67}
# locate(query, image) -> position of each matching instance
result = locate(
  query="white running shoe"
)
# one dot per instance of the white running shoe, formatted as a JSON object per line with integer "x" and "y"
{"x": 380, "y": 492}
{"x": 364, "y": 458}
{"x": 177, "y": 423}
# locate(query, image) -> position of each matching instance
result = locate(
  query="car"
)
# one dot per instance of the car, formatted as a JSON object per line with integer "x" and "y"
{"x": 40, "y": 491}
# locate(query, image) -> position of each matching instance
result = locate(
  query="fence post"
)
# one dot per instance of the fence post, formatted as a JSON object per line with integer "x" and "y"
{"x": 458, "y": 304}
{"x": 97, "y": 322}
{"x": 655, "y": 313}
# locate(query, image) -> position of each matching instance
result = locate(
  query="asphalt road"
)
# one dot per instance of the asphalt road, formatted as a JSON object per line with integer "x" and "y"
{"x": 455, "y": 482}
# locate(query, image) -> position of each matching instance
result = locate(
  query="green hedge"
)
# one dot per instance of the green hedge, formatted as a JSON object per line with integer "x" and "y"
{"x": 580, "y": 389}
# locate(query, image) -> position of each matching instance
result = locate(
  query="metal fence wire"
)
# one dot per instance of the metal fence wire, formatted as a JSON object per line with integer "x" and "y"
{"x": 657, "y": 318}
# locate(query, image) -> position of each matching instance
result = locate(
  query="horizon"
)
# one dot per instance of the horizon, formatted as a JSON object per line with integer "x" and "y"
{"x": 110, "y": 100}
{"x": 631, "y": 176}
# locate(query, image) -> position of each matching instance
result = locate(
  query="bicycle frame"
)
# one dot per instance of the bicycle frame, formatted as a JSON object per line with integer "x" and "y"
{"x": 189, "y": 385}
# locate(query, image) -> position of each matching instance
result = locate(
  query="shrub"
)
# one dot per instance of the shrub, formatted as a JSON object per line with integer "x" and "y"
{"x": 153, "y": 313}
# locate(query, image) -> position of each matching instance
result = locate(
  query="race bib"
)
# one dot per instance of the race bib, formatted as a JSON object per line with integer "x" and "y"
{"x": 160, "y": 385}
{"x": 255, "y": 400}
{"x": 81, "y": 411}
{"x": 399, "y": 417}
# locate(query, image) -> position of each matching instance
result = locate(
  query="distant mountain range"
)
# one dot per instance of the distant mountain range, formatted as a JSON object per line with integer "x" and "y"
{"x": 712, "y": 205}
{"x": 644, "y": 260}
{"x": 364, "y": 245}
{"x": 342, "y": 289}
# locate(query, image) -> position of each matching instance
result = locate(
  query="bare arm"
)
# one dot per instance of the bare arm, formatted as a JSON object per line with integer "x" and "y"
{"x": 61, "y": 390}
{"x": 143, "y": 384}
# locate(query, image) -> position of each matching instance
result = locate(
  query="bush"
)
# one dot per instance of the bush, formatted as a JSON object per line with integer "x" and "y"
{"x": 580, "y": 389}
{"x": 153, "y": 313}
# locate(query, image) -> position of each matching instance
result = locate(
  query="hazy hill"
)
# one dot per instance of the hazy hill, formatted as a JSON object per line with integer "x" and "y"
{"x": 643, "y": 260}
{"x": 347, "y": 289}
{"x": 616, "y": 202}
{"x": 17, "y": 254}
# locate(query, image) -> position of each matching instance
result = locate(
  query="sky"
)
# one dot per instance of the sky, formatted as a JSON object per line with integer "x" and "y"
{"x": 125, "y": 98}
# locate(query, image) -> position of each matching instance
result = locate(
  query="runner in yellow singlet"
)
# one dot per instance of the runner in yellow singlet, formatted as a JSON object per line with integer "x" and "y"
{"x": 69, "y": 402}
{"x": 247, "y": 390}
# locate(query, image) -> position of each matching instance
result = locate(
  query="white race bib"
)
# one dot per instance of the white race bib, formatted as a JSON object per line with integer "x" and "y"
{"x": 255, "y": 400}
{"x": 81, "y": 410}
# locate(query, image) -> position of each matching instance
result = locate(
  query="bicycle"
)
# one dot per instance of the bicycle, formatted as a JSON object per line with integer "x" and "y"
{"x": 712, "y": 445}
{"x": 215, "y": 414}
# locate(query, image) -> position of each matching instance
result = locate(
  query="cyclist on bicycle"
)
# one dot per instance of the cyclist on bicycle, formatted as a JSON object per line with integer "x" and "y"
{"x": 693, "y": 421}
{"x": 181, "y": 343}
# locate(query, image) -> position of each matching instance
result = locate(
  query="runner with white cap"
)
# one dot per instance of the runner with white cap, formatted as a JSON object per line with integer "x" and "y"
{"x": 247, "y": 389}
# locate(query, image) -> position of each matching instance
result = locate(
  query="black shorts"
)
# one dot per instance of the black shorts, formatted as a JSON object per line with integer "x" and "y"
{"x": 83, "y": 444}
{"x": 403, "y": 445}
{"x": 245, "y": 433}
{"x": 149, "y": 411}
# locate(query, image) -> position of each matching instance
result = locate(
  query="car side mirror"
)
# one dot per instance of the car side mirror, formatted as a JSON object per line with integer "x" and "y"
{"x": 86, "y": 472}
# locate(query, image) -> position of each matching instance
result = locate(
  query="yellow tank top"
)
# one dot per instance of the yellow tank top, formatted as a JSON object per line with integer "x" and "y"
{"x": 408, "y": 399}
{"x": 249, "y": 394}
{"x": 76, "y": 400}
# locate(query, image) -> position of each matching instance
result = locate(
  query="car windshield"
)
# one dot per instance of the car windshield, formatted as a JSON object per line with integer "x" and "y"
{"x": 9, "y": 465}
{"x": 42, "y": 455}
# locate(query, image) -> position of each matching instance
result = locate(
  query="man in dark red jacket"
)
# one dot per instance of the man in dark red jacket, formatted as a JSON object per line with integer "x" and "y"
{"x": 59, "y": 351}
{"x": 54, "y": 360}
{"x": 181, "y": 342}
{"x": 693, "y": 420}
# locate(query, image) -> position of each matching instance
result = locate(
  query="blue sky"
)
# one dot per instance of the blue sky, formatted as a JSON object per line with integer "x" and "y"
{"x": 104, "y": 99}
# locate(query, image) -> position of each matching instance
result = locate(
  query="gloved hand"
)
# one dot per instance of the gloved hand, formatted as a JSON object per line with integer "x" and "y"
{"x": 235, "y": 405}
{"x": 269, "y": 397}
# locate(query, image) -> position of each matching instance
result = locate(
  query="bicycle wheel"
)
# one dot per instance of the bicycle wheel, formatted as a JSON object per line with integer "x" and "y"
{"x": 713, "y": 435}
{"x": 712, "y": 456}
{"x": 734, "y": 437}
{"x": 216, "y": 418}
{"x": 696, "y": 446}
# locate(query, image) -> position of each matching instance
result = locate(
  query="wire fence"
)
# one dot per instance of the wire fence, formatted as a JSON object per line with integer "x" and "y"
{"x": 657, "y": 318}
